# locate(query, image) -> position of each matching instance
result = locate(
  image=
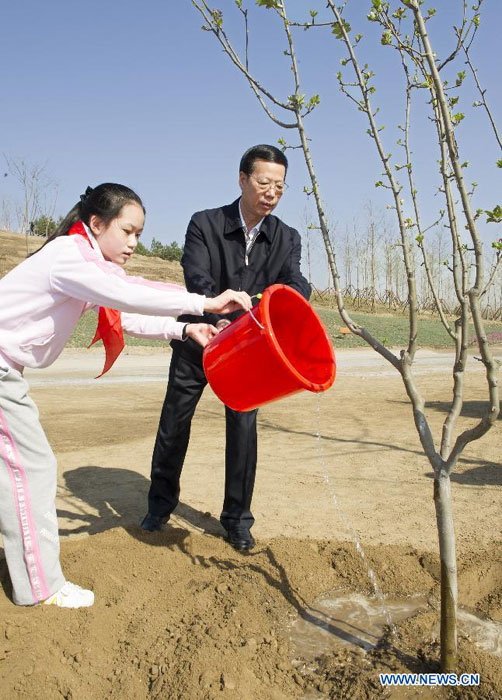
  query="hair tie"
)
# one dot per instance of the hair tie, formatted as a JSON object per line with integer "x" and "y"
{"x": 84, "y": 196}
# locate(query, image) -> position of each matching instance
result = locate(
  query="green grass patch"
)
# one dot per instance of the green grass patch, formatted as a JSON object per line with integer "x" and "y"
{"x": 86, "y": 327}
{"x": 392, "y": 330}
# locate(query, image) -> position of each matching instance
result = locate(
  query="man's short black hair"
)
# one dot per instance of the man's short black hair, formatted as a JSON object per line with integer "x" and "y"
{"x": 261, "y": 152}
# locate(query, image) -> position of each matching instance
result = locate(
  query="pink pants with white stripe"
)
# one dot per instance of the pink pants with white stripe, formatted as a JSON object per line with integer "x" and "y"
{"x": 28, "y": 477}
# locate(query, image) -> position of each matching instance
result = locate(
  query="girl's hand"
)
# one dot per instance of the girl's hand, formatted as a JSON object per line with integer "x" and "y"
{"x": 228, "y": 301}
{"x": 202, "y": 333}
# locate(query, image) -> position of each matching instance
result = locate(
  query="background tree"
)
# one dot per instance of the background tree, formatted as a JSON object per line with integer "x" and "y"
{"x": 44, "y": 226}
{"x": 141, "y": 249}
{"x": 39, "y": 193}
{"x": 169, "y": 251}
{"x": 38, "y": 190}
{"x": 6, "y": 214}
{"x": 403, "y": 27}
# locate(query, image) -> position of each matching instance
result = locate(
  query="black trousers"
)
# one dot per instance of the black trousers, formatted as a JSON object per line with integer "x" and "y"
{"x": 184, "y": 389}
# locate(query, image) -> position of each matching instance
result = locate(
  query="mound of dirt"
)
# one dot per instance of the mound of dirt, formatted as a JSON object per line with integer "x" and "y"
{"x": 179, "y": 615}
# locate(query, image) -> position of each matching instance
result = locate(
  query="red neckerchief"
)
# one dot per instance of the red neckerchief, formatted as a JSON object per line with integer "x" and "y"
{"x": 109, "y": 328}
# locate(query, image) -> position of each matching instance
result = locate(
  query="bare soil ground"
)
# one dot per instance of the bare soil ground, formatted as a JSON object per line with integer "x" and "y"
{"x": 179, "y": 615}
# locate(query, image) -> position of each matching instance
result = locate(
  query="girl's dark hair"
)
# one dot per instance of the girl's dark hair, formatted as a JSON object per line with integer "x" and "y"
{"x": 261, "y": 152}
{"x": 105, "y": 200}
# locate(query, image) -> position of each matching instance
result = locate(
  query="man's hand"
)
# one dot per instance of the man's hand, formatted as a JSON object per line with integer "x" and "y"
{"x": 222, "y": 323}
{"x": 202, "y": 333}
{"x": 228, "y": 301}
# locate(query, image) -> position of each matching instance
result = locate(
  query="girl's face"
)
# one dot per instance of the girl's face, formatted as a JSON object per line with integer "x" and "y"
{"x": 118, "y": 239}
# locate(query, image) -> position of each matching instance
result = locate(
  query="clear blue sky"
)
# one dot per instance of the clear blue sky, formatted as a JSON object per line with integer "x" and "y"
{"x": 135, "y": 92}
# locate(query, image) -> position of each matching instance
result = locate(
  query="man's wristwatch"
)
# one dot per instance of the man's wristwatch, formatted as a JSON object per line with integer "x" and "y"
{"x": 184, "y": 334}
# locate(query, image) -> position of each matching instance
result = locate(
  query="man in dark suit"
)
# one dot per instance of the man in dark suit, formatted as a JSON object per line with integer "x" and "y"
{"x": 238, "y": 246}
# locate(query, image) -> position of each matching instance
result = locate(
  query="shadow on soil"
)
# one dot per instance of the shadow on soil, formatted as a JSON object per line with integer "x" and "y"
{"x": 267, "y": 424}
{"x": 470, "y": 409}
{"x": 4, "y": 576}
{"x": 97, "y": 487}
{"x": 488, "y": 473}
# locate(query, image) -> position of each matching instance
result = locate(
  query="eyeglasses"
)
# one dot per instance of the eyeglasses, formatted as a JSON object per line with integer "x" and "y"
{"x": 263, "y": 185}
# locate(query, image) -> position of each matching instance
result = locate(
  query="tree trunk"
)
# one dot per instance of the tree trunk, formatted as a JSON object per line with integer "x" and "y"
{"x": 444, "y": 516}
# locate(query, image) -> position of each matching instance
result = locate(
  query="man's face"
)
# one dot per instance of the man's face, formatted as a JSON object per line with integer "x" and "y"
{"x": 262, "y": 190}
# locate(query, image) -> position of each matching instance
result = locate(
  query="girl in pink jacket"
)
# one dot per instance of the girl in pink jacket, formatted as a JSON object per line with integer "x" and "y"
{"x": 41, "y": 300}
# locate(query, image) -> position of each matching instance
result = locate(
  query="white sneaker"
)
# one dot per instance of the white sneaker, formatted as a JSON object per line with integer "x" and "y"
{"x": 71, "y": 596}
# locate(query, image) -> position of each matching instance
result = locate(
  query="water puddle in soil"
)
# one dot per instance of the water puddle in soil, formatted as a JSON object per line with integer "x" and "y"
{"x": 356, "y": 620}
{"x": 348, "y": 620}
{"x": 486, "y": 634}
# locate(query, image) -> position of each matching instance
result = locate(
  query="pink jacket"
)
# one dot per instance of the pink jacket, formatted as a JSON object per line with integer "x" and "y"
{"x": 42, "y": 299}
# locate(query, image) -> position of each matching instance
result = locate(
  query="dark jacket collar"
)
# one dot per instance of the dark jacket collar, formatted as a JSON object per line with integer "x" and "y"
{"x": 233, "y": 221}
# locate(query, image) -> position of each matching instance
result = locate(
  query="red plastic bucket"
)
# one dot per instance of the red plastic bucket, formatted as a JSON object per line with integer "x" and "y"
{"x": 248, "y": 365}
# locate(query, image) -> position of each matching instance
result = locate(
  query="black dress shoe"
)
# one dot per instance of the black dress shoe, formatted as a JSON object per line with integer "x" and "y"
{"x": 153, "y": 523}
{"x": 241, "y": 539}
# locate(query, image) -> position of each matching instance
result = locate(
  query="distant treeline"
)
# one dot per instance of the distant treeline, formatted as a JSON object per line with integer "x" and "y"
{"x": 169, "y": 251}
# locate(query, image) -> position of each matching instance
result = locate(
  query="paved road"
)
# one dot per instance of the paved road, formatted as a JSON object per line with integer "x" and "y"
{"x": 79, "y": 367}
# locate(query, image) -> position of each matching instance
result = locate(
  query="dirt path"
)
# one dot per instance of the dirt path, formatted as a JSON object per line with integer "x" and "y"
{"x": 177, "y": 613}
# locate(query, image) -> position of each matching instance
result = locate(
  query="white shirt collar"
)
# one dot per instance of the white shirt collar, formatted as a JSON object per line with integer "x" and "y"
{"x": 254, "y": 230}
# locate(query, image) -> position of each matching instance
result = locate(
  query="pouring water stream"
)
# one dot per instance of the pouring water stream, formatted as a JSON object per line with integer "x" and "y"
{"x": 343, "y": 518}
{"x": 349, "y": 529}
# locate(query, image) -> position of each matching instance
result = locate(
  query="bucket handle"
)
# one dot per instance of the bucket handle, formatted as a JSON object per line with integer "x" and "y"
{"x": 256, "y": 320}
{"x": 256, "y": 296}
